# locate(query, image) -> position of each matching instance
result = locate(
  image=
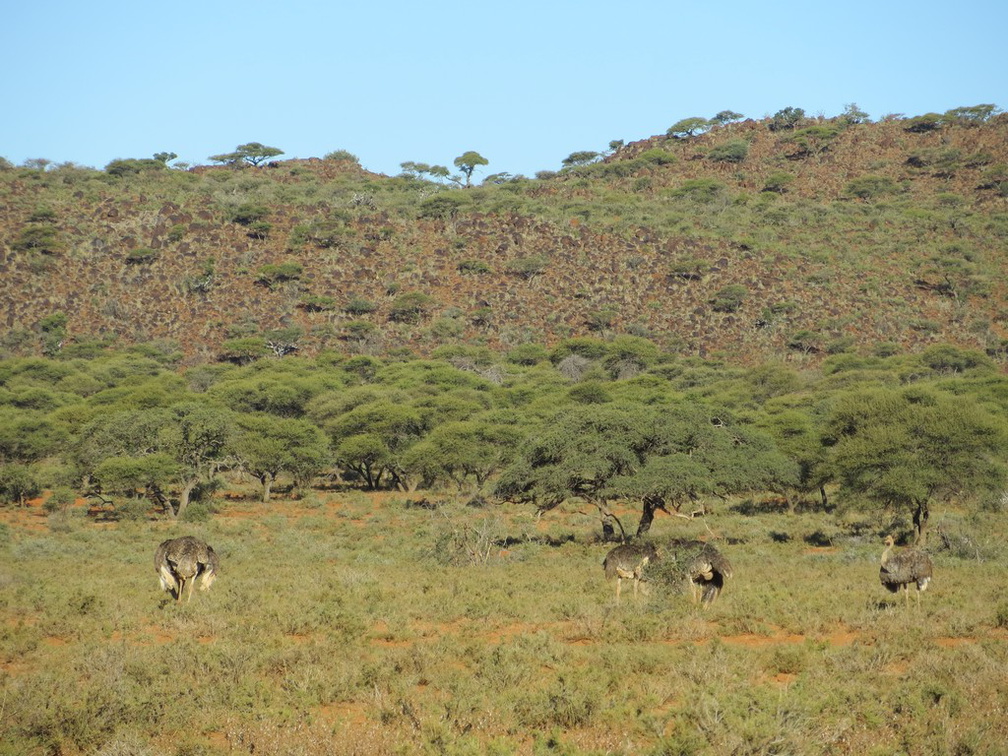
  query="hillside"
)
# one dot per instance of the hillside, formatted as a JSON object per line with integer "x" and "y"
{"x": 745, "y": 243}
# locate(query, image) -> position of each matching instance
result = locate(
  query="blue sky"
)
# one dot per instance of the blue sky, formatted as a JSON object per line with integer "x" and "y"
{"x": 523, "y": 83}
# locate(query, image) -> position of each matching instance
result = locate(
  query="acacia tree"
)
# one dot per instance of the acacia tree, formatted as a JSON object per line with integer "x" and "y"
{"x": 267, "y": 446}
{"x": 197, "y": 437}
{"x": 372, "y": 438}
{"x": 582, "y": 157}
{"x": 725, "y": 117}
{"x": 577, "y": 454}
{"x": 462, "y": 451}
{"x": 659, "y": 456}
{"x": 419, "y": 170}
{"x": 905, "y": 449}
{"x": 18, "y": 483}
{"x": 467, "y": 163}
{"x": 694, "y": 451}
{"x": 252, "y": 153}
{"x": 181, "y": 446}
{"x": 688, "y": 127}
{"x": 137, "y": 477}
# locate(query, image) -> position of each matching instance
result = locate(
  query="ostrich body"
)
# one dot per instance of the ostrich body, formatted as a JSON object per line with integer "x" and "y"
{"x": 902, "y": 568}
{"x": 185, "y": 560}
{"x": 627, "y": 562}
{"x": 704, "y": 568}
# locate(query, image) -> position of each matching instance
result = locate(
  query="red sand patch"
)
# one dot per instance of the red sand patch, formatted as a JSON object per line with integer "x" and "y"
{"x": 751, "y": 640}
{"x": 954, "y": 642}
{"x": 821, "y": 550}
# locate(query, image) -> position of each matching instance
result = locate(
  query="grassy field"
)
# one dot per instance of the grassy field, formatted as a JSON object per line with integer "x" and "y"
{"x": 353, "y": 623}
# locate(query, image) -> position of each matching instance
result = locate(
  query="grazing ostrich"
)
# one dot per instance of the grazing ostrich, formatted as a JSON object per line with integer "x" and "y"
{"x": 904, "y": 567}
{"x": 704, "y": 568}
{"x": 185, "y": 560}
{"x": 628, "y": 562}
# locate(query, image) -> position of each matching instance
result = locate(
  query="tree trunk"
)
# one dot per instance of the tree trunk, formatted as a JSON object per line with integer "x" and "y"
{"x": 267, "y": 484}
{"x": 650, "y": 505}
{"x": 608, "y": 518}
{"x": 184, "y": 496}
{"x": 920, "y": 519}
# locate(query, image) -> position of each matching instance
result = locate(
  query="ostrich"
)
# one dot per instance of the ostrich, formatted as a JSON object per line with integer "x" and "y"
{"x": 904, "y": 567}
{"x": 628, "y": 561}
{"x": 185, "y": 560}
{"x": 702, "y": 566}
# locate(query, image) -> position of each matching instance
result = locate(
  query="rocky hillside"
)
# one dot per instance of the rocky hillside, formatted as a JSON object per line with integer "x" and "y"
{"x": 746, "y": 243}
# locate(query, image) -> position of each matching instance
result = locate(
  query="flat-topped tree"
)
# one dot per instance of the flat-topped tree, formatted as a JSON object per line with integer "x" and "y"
{"x": 252, "y": 153}
{"x": 725, "y": 117}
{"x": 467, "y": 163}
{"x": 688, "y": 127}
{"x": 903, "y": 449}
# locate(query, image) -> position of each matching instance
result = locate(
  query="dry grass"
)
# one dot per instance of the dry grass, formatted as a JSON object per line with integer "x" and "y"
{"x": 339, "y": 628}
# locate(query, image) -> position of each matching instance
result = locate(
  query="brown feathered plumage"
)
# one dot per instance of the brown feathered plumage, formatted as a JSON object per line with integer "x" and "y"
{"x": 903, "y": 568}
{"x": 705, "y": 569}
{"x": 185, "y": 560}
{"x": 628, "y": 562}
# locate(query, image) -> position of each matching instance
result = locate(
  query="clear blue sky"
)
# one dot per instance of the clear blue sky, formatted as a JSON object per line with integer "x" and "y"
{"x": 523, "y": 83}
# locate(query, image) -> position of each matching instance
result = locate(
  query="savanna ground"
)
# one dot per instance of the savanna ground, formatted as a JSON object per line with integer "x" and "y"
{"x": 356, "y": 623}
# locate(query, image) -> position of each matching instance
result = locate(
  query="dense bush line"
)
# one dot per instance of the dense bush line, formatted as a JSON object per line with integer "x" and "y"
{"x": 596, "y": 419}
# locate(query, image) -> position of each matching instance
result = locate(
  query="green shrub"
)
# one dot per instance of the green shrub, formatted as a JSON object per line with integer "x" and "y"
{"x": 359, "y": 330}
{"x": 996, "y": 178}
{"x": 869, "y": 187}
{"x": 657, "y": 156}
{"x": 923, "y": 123}
{"x": 42, "y": 238}
{"x": 729, "y": 298}
{"x": 326, "y": 234}
{"x": 342, "y": 156}
{"x": 60, "y": 499}
{"x": 248, "y": 214}
{"x": 317, "y": 303}
{"x": 689, "y": 268}
{"x": 601, "y": 320}
{"x": 788, "y": 118}
{"x": 527, "y": 267}
{"x": 589, "y": 392}
{"x": 260, "y": 229}
{"x": 778, "y": 182}
{"x": 943, "y": 161}
{"x": 734, "y": 151}
{"x": 814, "y": 139}
{"x": 527, "y": 354}
{"x": 444, "y": 206}
{"x": 806, "y": 341}
{"x": 132, "y": 509}
{"x": 133, "y": 167}
{"x": 243, "y": 350}
{"x": 359, "y": 306}
{"x": 273, "y": 274}
{"x": 43, "y": 215}
{"x": 410, "y": 307}
{"x": 703, "y": 190}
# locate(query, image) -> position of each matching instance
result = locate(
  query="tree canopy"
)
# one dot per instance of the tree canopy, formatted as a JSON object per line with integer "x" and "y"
{"x": 252, "y": 153}
{"x": 906, "y": 448}
{"x": 467, "y": 162}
